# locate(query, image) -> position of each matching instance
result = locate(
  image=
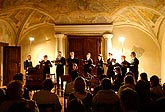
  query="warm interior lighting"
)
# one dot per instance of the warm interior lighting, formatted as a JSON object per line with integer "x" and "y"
{"x": 31, "y": 39}
{"x": 121, "y": 39}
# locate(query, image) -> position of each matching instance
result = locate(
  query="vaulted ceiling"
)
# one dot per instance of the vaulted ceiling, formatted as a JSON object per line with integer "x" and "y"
{"x": 25, "y": 15}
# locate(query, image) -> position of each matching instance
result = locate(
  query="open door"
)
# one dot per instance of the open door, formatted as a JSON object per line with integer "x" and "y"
{"x": 11, "y": 62}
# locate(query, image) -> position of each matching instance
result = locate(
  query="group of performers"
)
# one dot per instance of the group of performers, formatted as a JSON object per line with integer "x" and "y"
{"x": 72, "y": 64}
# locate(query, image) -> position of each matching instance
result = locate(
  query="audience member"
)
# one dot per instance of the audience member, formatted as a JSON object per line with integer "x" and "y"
{"x": 118, "y": 79}
{"x": 16, "y": 101}
{"x": 143, "y": 90}
{"x": 156, "y": 88}
{"x": 2, "y": 95}
{"x": 129, "y": 100}
{"x": 19, "y": 76}
{"x": 99, "y": 87}
{"x": 128, "y": 82}
{"x": 164, "y": 89}
{"x": 106, "y": 99}
{"x": 76, "y": 105}
{"x": 81, "y": 93}
{"x": 70, "y": 86}
{"x": 45, "y": 96}
{"x": 159, "y": 105}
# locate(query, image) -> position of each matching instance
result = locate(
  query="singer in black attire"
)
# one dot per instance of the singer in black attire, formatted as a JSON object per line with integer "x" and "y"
{"x": 124, "y": 65}
{"x": 134, "y": 65}
{"x": 99, "y": 66}
{"x": 46, "y": 66}
{"x": 28, "y": 63}
{"x": 70, "y": 61}
{"x": 60, "y": 62}
{"x": 87, "y": 62}
{"x": 111, "y": 64}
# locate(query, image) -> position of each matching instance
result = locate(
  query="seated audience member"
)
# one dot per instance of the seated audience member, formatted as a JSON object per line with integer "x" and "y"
{"x": 2, "y": 95}
{"x": 70, "y": 86}
{"x": 19, "y": 76}
{"x": 164, "y": 89}
{"x": 159, "y": 105}
{"x": 75, "y": 69}
{"x": 16, "y": 102}
{"x": 76, "y": 105}
{"x": 81, "y": 93}
{"x": 118, "y": 79}
{"x": 129, "y": 100}
{"x": 99, "y": 87}
{"x": 143, "y": 90}
{"x": 45, "y": 96}
{"x": 156, "y": 88}
{"x": 106, "y": 99}
{"x": 130, "y": 73}
{"x": 128, "y": 82}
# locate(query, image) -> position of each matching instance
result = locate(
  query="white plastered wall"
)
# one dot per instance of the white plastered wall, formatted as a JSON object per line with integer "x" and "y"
{"x": 136, "y": 40}
{"x": 162, "y": 41}
{"x": 44, "y": 44}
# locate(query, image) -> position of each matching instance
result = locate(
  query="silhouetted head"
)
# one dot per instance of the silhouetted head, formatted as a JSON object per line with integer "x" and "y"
{"x": 76, "y": 105}
{"x": 18, "y": 76}
{"x": 106, "y": 84}
{"x": 143, "y": 76}
{"x": 129, "y": 100}
{"x": 15, "y": 89}
{"x": 74, "y": 75}
{"x": 129, "y": 79}
{"x": 154, "y": 80}
{"x": 47, "y": 84}
{"x": 79, "y": 84}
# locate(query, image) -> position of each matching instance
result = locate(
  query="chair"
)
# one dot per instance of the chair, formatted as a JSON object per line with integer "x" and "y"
{"x": 46, "y": 107}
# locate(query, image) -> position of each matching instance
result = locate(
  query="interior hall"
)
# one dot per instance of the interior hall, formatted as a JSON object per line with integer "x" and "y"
{"x": 54, "y": 29}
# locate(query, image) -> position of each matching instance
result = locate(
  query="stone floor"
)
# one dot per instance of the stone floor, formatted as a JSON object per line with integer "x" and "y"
{"x": 62, "y": 103}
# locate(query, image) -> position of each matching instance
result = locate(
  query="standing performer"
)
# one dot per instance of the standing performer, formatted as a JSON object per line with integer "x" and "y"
{"x": 110, "y": 64}
{"x": 28, "y": 63}
{"x": 124, "y": 65}
{"x": 60, "y": 62}
{"x": 134, "y": 65}
{"x": 88, "y": 63}
{"x": 46, "y": 66}
{"x": 70, "y": 61}
{"x": 99, "y": 65}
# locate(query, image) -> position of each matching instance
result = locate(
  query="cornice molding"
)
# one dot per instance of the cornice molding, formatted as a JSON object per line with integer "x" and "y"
{"x": 92, "y": 29}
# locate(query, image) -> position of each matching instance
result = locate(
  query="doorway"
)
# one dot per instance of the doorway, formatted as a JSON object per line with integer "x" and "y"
{"x": 81, "y": 45}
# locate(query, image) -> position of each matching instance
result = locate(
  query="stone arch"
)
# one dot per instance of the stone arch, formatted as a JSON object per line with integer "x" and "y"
{"x": 125, "y": 20}
{"x": 24, "y": 27}
{"x": 8, "y": 28}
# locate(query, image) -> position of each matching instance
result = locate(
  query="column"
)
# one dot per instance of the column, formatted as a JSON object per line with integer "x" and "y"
{"x": 60, "y": 44}
{"x": 108, "y": 44}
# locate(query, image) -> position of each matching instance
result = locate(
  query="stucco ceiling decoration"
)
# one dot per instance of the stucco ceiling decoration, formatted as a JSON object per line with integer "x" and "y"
{"x": 24, "y": 19}
{"x": 24, "y": 15}
{"x": 82, "y": 11}
{"x": 141, "y": 17}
